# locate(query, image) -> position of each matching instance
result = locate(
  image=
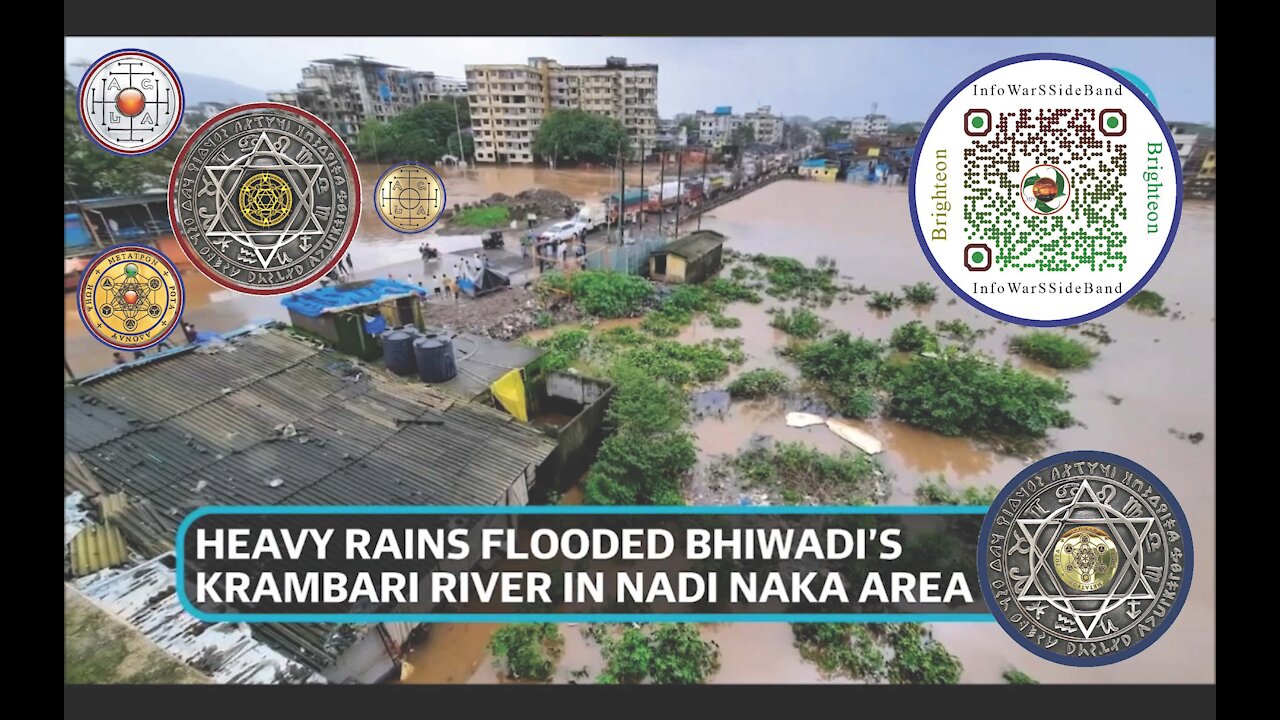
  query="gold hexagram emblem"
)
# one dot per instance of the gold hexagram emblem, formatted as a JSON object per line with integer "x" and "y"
{"x": 265, "y": 199}
{"x": 1085, "y": 558}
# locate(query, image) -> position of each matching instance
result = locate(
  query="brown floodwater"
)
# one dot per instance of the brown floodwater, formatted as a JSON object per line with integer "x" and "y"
{"x": 1161, "y": 369}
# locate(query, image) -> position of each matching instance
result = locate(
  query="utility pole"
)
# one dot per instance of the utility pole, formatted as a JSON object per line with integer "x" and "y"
{"x": 622, "y": 192}
{"x": 679, "y": 190}
{"x": 706, "y": 186}
{"x": 642, "y": 188}
{"x": 662, "y": 186}
{"x": 462, "y": 148}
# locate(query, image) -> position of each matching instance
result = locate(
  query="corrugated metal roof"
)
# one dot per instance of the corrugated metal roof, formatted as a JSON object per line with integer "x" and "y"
{"x": 97, "y": 547}
{"x": 143, "y": 595}
{"x": 219, "y": 426}
{"x": 695, "y": 244}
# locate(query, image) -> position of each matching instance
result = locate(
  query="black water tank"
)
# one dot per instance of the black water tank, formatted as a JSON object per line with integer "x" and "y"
{"x": 397, "y": 351}
{"x": 435, "y": 358}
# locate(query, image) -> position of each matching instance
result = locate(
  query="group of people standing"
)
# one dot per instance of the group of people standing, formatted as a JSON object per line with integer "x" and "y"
{"x": 442, "y": 285}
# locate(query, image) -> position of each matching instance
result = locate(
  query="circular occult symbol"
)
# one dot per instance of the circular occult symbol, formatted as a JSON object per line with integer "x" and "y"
{"x": 130, "y": 297}
{"x": 131, "y": 102}
{"x": 1065, "y": 170}
{"x": 409, "y": 197}
{"x": 1085, "y": 558}
{"x": 264, "y": 198}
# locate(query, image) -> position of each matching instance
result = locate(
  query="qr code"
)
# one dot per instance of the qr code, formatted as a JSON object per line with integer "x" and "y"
{"x": 1044, "y": 188}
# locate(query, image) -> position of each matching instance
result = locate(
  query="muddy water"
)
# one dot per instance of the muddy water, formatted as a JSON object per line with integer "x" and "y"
{"x": 1161, "y": 369}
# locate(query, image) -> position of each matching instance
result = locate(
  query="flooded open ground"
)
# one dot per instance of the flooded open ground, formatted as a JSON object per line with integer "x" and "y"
{"x": 1155, "y": 380}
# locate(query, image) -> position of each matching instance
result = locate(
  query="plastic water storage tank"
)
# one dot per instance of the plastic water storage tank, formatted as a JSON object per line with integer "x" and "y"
{"x": 397, "y": 351}
{"x": 435, "y": 358}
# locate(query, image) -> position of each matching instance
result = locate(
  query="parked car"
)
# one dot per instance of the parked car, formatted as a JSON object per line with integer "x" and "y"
{"x": 562, "y": 231}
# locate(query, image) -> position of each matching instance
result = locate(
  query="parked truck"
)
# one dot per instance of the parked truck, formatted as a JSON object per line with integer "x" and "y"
{"x": 591, "y": 217}
{"x": 662, "y": 196}
{"x": 633, "y": 203}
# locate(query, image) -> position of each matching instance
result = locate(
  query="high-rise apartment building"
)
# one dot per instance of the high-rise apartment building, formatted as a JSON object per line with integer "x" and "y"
{"x": 509, "y": 102}
{"x": 347, "y": 92}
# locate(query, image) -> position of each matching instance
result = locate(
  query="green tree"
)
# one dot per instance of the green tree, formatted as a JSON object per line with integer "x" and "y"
{"x": 528, "y": 651}
{"x": 674, "y": 654}
{"x": 793, "y": 135}
{"x": 831, "y": 134}
{"x": 743, "y": 136}
{"x": 424, "y": 133}
{"x": 577, "y": 136}
{"x": 905, "y": 128}
{"x": 644, "y": 460}
{"x": 91, "y": 171}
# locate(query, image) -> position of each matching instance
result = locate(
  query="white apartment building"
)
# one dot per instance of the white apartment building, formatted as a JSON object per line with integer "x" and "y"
{"x": 767, "y": 126}
{"x": 1185, "y": 138}
{"x": 715, "y": 127}
{"x": 509, "y": 102}
{"x": 870, "y": 124}
{"x": 347, "y": 92}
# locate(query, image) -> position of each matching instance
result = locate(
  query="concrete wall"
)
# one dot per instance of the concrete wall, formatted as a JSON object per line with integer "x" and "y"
{"x": 366, "y": 662}
{"x": 580, "y": 438}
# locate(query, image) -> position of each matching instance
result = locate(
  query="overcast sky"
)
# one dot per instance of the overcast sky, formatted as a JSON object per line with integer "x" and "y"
{"x": 796, "y": 76}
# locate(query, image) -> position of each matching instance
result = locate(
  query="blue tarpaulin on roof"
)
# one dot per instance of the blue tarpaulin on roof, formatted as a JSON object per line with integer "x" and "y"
{"x": 317, "y": 302}
{"x": 724, "y": 110}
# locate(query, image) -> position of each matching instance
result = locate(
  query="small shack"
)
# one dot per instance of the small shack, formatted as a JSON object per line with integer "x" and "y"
{"x": 351, "y": 316}
{"x": 693, "y": 258}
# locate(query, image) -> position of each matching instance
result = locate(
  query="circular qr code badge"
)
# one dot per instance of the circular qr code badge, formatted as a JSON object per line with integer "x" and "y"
{"x": 131, "y": 102}
{"x": 1085, "y": 558}
{"x": 1045, "y": 190}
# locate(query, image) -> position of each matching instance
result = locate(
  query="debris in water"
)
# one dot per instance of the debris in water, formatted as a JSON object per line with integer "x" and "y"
{"x": 286, "y": 429}
{"x": 275, "y": 482}
{"x": 711, "y": 402}
{"x": 802, "y": 419}
{"x": 1115, "y": 400}
{"x": 1194, "y": 438}
{"x": 860, "y": 439}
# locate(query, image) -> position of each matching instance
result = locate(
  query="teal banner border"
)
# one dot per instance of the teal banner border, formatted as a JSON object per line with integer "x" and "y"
{"x": 567, "y": 510}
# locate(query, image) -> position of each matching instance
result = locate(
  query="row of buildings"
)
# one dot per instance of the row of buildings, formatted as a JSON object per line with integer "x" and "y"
{"x": 716, "y": 128}
{"x": 348, "y": 92}
{"x": 507, "y": 102}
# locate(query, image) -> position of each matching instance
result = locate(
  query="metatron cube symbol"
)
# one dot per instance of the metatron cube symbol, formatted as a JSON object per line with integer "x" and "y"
{"x": 977, "y": 257}
{"x": 1112, "y": 122}
{"x": 977, "y": 122}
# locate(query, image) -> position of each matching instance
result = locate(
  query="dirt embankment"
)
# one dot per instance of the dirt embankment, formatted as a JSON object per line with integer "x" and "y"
{"x": 504, "y": 315}
{"x": 546, "y": 204}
